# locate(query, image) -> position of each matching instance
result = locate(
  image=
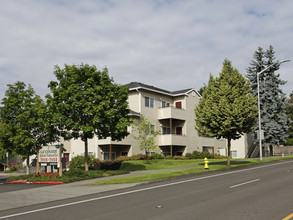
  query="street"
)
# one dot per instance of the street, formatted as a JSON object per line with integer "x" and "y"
{"x": 261, "y": 192}
{"x": 15, "y": 187}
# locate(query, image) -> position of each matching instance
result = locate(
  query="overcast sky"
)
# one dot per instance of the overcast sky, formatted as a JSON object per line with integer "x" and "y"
{"x": 171, "y": 44}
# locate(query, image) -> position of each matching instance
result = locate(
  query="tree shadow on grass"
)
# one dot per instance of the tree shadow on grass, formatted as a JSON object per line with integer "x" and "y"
{"x": 237, "y": 162}
{"x": 132, "y": 167}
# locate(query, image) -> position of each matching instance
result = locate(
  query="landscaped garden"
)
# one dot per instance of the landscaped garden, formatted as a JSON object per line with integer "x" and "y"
{"x": 125, "y": 165}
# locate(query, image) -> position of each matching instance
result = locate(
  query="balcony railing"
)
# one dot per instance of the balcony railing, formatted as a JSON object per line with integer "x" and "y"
{"x": 171, "y": 112}
{"x": 171, "y": 139}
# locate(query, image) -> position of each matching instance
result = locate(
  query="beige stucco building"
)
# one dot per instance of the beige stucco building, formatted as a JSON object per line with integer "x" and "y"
{"x": 172, "y": 113}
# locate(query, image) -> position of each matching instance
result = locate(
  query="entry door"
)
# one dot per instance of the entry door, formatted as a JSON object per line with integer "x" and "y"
{"x": 66, "y": 155}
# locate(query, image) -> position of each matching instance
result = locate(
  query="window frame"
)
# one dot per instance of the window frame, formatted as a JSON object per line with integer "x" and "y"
{"x": 150, "y": 103}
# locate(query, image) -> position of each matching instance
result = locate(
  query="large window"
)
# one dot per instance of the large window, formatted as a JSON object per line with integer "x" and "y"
{"x": 165, "y": 130}
{"x": 165, "y": 104}
{"x": 233, "y": 153}
{"x": 106, "y": 156}
{"x": 149, "y": 102}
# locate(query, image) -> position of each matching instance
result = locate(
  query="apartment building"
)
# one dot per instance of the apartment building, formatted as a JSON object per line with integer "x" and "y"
{"x": 172, "y": 113}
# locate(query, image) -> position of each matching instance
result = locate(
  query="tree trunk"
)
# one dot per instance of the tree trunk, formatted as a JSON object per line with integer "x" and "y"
{"x": 147, "y": 157}
{"x": 28, "y": 164}
{"x": 37, "y": 163}
{"x": 229, "y": 153}
{"x": 86, "y": 167}
{"x": 60, "y": 160}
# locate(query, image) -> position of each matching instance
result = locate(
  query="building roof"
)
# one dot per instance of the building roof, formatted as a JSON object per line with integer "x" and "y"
{"x": 138, "y": 85}
{"x": 133, "y": 113}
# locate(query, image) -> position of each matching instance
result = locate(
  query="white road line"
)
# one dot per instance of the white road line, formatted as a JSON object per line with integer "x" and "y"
{"x": 140, "y": 190}
{"x": 240, "y": 184}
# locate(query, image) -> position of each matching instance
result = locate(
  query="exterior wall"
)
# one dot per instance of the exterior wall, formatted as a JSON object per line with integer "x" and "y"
{"x": 158, "y": 116}
{"x": 76, "y": 147}
{"x": 242, "y": 145}
{"x": 133, "y": 101}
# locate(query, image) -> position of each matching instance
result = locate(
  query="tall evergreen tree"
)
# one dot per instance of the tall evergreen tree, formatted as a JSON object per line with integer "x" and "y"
{"x": 226, "y": 110}
{"x": 289, "y": 111}
{"x": 274, "y": 121}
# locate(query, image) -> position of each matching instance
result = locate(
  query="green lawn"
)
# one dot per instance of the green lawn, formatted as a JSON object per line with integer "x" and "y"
{"x": 162, "y": 164}
{"x": 218, "y": 165}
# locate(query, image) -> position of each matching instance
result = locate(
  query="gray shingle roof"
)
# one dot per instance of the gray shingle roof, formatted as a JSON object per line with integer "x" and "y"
{"x": 134, "y": 85}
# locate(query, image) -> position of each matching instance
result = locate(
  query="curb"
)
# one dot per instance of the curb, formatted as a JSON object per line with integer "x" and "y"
{"x": 36, "y": 182}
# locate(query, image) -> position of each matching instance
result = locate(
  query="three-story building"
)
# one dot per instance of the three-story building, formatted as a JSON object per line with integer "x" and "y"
{"x": 172, "y": 113}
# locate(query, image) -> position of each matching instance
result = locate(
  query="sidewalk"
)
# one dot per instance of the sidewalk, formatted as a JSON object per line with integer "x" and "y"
{"x": 20, "y": 198}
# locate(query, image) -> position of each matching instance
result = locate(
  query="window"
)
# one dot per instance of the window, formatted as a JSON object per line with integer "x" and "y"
{"x": 124, "y": 153}
{"x": 233, "y": 153}
{"x": 165, "y": 130}
{"x": 165, "y": 104}
{"x": 166, "y": 154}
{"x": 178, "y": 104}
{"x": 106, "y": 156}
{"x": 152, "y": 129}
{"x": 149, "y": 102}
{"x": 179, "y": 130}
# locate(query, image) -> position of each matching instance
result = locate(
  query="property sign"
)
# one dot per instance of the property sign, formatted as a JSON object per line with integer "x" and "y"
{"x": 49, "y": 154}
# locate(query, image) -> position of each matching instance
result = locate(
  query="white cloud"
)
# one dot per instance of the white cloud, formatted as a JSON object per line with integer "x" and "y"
{"x": 169, "y": 44}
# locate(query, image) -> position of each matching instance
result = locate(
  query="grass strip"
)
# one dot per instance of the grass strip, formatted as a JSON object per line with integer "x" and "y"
{"x": 185, "y": 171}
{"x": 162, "y": 164}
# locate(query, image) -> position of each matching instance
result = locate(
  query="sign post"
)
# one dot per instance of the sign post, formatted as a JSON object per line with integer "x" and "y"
{"x": 7, "y": 160}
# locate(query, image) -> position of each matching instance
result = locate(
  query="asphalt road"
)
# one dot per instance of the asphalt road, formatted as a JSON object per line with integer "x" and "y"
{"x": 263, "y": 192}
{"x": 15, "y": 187}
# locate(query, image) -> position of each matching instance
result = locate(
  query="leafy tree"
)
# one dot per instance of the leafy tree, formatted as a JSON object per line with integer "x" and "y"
{"x": 2, "y": 150}
{"x": 289, "y": 111}
{"x": 85, "y": 102}
{"x": 274, "y": 120}
{"x": 144, "y": 132}
{"x": 23, "y": 131}
{"x": 226, "y": 110}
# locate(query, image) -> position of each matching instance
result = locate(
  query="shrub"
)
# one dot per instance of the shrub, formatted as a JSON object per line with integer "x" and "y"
{"x": 157, "y": 156}
{"x": 96, "y": 165}
{"x": 202, "y": 155}
{"x": 111, "y": 165}
{"x": 78, "y": 161}
{"x": 138, "y": 157}
{"x": 188, "y": 156}
{"x": 289, "y": 141}
{"x": 123, "y": 158}
{"x": 177, "y": 158}
{"x": 168, "y": 157}
{"x": 13, "y": 168}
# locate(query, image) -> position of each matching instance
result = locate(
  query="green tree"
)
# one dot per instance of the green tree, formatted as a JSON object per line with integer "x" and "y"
{"x": 23, "y": 131}
{"x": 85, "y": 102}
{"x": 226, "y": 110}
{"x": 289, "y": 112}
{"x": 144, "y": 132}
{"x": 274, "y": 120}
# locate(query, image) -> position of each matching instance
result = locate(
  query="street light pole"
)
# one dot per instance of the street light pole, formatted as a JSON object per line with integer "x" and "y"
{"x": 258, "y": 102}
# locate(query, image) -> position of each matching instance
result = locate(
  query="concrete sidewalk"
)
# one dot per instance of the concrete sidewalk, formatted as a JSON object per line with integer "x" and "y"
{"x": 20, "y": 198}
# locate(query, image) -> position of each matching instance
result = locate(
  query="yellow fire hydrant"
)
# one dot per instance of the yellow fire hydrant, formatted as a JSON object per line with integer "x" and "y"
{"x": 206, "y": 163}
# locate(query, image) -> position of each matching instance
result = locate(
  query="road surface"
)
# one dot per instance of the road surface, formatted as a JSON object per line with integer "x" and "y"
{"x": 262, "y": 192}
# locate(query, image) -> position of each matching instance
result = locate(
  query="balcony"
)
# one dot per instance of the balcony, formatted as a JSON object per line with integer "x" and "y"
{"x": 171, "y": 112}
{"x": 171, "y": 139}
